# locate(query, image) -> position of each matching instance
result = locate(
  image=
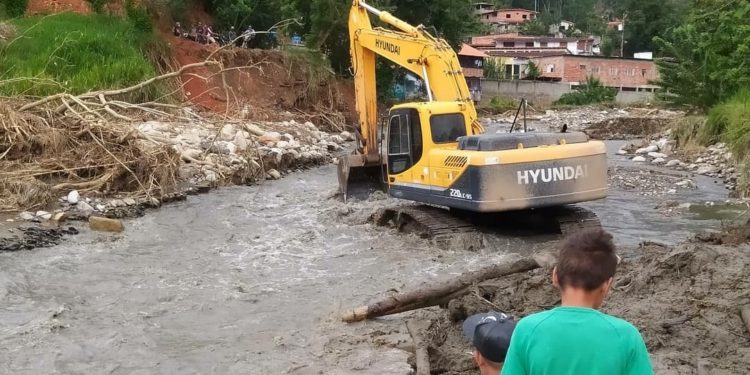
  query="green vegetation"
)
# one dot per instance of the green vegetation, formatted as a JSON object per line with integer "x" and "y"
{"x": 493, "y": 69}
{"x": 74, "y": 53}
{"x": 12, "y": 8}
{"x": 501, "y": 104}
{"x": 97, "y": 5}
{"x": 730, "y": 122}
{"x": 706, "y": 59}
{"x": 535, "y": 27}
{"x": 532, "y": 71}
{"x": 591, "y": 92}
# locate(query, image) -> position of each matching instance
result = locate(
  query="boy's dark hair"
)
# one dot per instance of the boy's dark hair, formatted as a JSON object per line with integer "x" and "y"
{"x": 587, "y": 259}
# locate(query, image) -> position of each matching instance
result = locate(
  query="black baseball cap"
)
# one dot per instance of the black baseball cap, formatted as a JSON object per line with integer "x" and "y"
{"x": 490, "y": 334}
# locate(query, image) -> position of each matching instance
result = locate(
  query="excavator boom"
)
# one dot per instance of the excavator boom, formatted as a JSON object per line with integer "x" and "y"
{"x": 435, "y": 152}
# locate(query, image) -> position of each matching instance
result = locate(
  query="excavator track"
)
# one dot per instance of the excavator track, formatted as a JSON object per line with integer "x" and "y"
{"x": 438, "y": 225}
{"x": 450, "y": 229}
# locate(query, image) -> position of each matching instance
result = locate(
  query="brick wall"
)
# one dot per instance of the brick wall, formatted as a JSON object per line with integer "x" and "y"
{"x": 515, "y": 15}
{"x": 630, "y": 73}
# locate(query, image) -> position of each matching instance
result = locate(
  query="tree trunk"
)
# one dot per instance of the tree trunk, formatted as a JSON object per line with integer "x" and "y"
{"x": 436, "y": 293}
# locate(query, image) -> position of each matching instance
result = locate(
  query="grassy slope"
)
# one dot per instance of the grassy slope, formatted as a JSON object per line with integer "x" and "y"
{"x": 78, "y": 52}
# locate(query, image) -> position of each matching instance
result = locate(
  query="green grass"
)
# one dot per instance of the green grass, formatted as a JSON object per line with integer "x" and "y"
{"x": 499, "y": 104}
{"x": 75, "y": 53}
{"x": 730, "y": 122}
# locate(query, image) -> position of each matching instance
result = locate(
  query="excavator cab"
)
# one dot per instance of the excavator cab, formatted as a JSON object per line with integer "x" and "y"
{"x": 434, "y": 152}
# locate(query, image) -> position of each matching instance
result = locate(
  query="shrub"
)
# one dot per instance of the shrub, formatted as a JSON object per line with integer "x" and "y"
{"x": 12, "y": 8}
{"x": 74, "y": 53}
{"x": 139, "y": 17}
{"x": 730, "y": 122}
{"x": 532, "y": 72}
{"x": 590, "y": 92}
{"x": 499, "y": 104}
{"x": 98, "y": 5}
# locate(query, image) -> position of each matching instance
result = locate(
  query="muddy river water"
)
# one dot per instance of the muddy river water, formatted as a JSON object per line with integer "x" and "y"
{"x": 247, "y": 280}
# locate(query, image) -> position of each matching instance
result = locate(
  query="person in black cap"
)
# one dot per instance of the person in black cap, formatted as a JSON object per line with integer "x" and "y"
{"x": 489, "y": 333}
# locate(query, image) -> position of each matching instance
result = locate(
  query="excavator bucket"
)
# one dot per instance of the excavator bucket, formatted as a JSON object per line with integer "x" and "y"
{"x": 357, "y": 179}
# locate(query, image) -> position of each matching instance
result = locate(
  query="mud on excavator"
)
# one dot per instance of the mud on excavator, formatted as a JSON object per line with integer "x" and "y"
{"x": 435, "y": 152}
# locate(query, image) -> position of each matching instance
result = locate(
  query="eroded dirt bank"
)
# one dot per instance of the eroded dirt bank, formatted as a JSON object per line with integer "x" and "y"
{"x": 686, "y": 301}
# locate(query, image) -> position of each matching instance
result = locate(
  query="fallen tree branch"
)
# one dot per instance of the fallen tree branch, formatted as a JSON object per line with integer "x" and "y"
{"x": 435, "y": 293}
{"x": 420, "y": 348}
{"x": 96, "y": 94}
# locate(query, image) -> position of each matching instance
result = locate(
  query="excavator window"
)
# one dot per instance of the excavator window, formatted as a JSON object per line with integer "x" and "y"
{"x": 447, "y": 128}
{"x": 399, "y": 147}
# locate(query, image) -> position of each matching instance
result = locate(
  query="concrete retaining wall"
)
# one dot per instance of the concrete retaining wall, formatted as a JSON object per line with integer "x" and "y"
{"x": 545, "y": 93}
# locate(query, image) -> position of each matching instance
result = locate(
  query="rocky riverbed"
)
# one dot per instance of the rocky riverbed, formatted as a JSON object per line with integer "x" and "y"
{"x": 252, "y": 279}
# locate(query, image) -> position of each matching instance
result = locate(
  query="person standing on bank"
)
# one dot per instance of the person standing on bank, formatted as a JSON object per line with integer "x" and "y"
{"x": 576, "y": 338}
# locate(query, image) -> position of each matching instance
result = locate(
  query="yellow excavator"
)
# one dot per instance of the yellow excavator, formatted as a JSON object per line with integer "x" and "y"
{"x": 435, "y": 151}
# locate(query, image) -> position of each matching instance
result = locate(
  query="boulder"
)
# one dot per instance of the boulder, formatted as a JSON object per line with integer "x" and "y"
{"x": 287, "y": 137}
{"x": 211, "y": 176}
{"x": 27, "y": 216}
{"x": 103, "y": 224}
{"x": 347, "y": 136}
{"x": 638, "y": 159}
{"x": 282, "y": 144}
{"x": 44, "y": 215}
{"x": 274, "y": 174}
{"x": 73, "y": 197}
{"x": 337, "y": 138}
{"x": 240, "y": 142}
{"x": 84, "y": 207}
{"x": 657, "y": 155}
{"x": 191, "y": 153}
{"x": 59, "y": 217}
{"x": 129, "y": 201}
{"x": 255, "y": 130}
{"x": 228, "y": 132}
{"x": 621, "y": 152}
{"x": 658, "y": 161}
{"x": 646, "y": 150}
{"x": 707, "y": 169}
{"x": 673, "y": 163}
{"x": 270, "y": 138}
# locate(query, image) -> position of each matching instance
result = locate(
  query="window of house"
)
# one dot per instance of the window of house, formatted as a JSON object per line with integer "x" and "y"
{"x": 529, "y": 44}
{"x": 582, "y": 67}
{"x": 524, "y": 16}
{"x": 507, "y": 15}
{"x": 595, "y": 70}
{"x": 550, "y": 68}
{"x": 613, "y": 71}
{"x": 543, "y": 44}
{"x": 509, "y": 44}
{"x": 643, "y": 72}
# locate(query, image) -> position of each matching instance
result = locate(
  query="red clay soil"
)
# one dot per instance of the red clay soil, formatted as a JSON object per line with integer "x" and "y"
{"x": 196, "y": 90}
{"x": 36, "y": 7}
{"x": 261, "y": 83}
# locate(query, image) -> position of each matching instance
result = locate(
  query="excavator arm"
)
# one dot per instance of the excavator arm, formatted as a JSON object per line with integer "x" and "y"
{"x": 410, "y": 47}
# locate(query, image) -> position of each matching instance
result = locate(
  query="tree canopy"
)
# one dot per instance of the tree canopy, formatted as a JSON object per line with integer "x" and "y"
{"x": 706, "y": 57}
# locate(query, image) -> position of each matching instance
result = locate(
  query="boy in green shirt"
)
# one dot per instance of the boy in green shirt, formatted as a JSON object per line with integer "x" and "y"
{"x": 576, "y": 338}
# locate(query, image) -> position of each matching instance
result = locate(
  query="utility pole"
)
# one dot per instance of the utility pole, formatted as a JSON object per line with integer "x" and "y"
{"x": 535, "y": 5}
{"x": 622, "y": 36}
